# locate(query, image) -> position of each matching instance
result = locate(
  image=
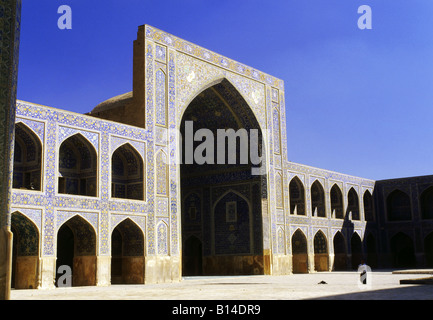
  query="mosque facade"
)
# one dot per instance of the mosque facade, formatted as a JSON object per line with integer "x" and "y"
{"x": 111, "y": 195}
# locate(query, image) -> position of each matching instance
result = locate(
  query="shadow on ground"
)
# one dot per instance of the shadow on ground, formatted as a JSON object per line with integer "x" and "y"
{"x": 405, "y": 292}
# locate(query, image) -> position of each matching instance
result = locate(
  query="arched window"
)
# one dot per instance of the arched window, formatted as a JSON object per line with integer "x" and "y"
{"x": 77, "y": 167}
{"x": 297, "y": 197}
{"x": 337, "y": 202}
{"x": 127, "y": 174}
{"x": 398, "y": 206}
{"x": 353, "y": 204}
{"x": 318, "y": 200}
{"x": 427, "y": 203}
{"x": 27, "y": 159}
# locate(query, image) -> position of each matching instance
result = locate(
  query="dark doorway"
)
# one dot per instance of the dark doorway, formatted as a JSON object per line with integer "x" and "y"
{"x": 356, "y": 250}
{"x": 340, "y": 253}
{"x": 371, "y": 251}
{"x": 192, "y": 262}
{"x": 403, "y": 251}
{"x": 428, "y": 247}
{"x": 65, "y": 249}
{"x": 127, "y": 254}
{"x": 76, "y": 248}
{"x": 299, "y": 252}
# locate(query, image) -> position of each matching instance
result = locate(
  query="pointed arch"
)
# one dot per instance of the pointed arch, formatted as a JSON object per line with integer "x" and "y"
{"x": 299, "y": 252}
{"x": 232, "y": 231}
{"x": 402, "y": 249}
{"x": 78, "y": 167}
{"x": 340, "y": 252}
{"x": 127, "y": 173}
{"x": 321, "y": 258}
{"x": 297, "y": 196}
{"x": 76, "y": 247}
{"x": 320, "y": 243}
{"x": 353, "y": 204}
{"x": 27, "y": 166}
{"x": 318, "y": 199}
{"x": 426, "y": 201}
{"x": 231, "y": 211}
{"x": 398, "y": 206}
{"x": 25, "y": 252}
{"x": 221, "y": 80}
{"x": 337, "y": 202}
{"x": 127, "y": 253}
{"x": 368, "y": 206}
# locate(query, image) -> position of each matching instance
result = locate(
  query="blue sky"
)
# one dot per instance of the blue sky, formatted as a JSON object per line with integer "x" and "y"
{"x": 357, "y": 101}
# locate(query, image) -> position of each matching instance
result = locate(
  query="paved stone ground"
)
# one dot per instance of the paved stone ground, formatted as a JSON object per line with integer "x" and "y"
{"x": 382, "y": 285}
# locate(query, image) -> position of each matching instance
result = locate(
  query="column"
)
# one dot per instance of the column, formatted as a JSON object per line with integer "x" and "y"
{"x": 9, "y": 47}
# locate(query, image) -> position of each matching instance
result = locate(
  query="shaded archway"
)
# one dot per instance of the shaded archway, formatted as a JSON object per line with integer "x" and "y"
{"x": 77, "y": 167}
{"x": 321, "y": 258}
{"x": 371, "y": 251}
{"x": 297, "y": 197}
{"x": 25, "y": 257}
{"x": 356, "y": 250}
{"x": 428, "y": 250}
{"x": 340, "y": 252}
{"x": 337, "y": 202}
{"x": 27, "y": 159}
{"x": 403, "y": 252}
{"x": 318, "y": 199}
{"x": 127, "y": 174}
{"x": 353, "y": 204}
{"x": 299, "y": 252}
{"x": 368, "y": 206}
{"x": 127, "y": 254}
{"x": 76, "y": 248}
{"x": 426, "y": 201}
{"x": 398, "y": 206}
{"x": 216, "y": 130}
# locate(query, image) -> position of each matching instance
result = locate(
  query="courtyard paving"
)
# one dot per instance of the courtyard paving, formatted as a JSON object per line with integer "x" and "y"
{"x": 381, "y": 285}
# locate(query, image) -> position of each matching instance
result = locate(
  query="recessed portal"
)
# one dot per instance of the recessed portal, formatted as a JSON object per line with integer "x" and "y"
{"x": 221, "y": 199}
{"x": 76, "y": 248}
{"x": 25, "y": 253}
{"x": 127, "y": 254}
